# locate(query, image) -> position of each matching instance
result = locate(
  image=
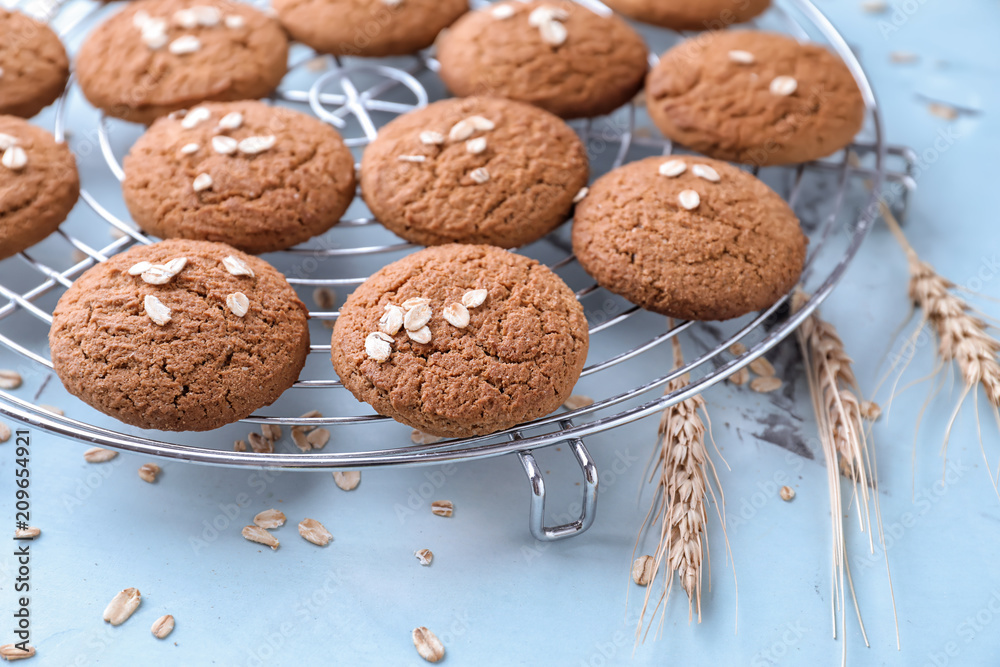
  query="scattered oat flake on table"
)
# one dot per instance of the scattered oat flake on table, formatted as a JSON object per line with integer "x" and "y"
{"x": 425, "y": 556}
{"x": 10, "y": 379}
{"x": 12, "y": 652}
{"x": 271, "y": 431}
{"x": 874, "y": 6}
{"x": 51, "y": 408}
{"x": 270, "y": 519}
{"x": 260, "y": 536}
{"x": 313, "y": 531}
{"x": 239, "y": 446}
{"x": 762, "y": 367}
{"x": 642, "y": 570}
{"x": 787, "y": 493}
{"x": 738, "y": 348}
{"x": 318, "y": 438}
{"x": 443, "y": 508}
{"x": 30, "y": 531}
{"x": 148, "y": 472}
{"x": 578, "y": 401}
{"x": 162, "y": 626}
{"x": 301, "y": 440}
{"x": 325, "y": 298}
{"x": 740, "y": 377}
{"x": 347, "y": 480}
{"x": 418, "y": 437}
{"x": 765, "y": 385}
{"x": 428, "y": 645}
{"x": 870, "y": 410}
{"x": 4, "y": 432}
{"x": 122, "y": 606}
{"x": 260, "y": 444}
{"x": 943, "y": 110}
{"x": 99, "y": 455}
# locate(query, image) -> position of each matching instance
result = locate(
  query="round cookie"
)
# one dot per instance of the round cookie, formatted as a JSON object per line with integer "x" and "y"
{"x": 688, "y": 15}
{"x": 257, "y": 177}
{"x": 34, "y": 68}
{"x": 207, "y": 365}
{"x": 554, "y": 54}
{"x": 755, "y": 97}
{"x": 368, "y": 27}
{"x": 39, "y": 184}
{"x": 158, "y": 56}
{"x": 709, "y": 243}
{"x": 492, "y": 171}
{"x": 512, "y": 355}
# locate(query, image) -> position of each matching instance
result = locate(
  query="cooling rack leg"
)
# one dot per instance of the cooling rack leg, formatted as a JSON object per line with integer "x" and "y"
{"x": 536, "y": 519}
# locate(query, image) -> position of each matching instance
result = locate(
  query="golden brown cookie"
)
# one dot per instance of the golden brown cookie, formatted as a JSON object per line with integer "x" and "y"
{"x": 34, "y": 68}
{"x": 755, "y": 97}
{"x": 39, "y": 184}
{"x": 158, "y": 56}
{"x": 554, "y": 54}
{"x": 474, "y": 170}
{"x": 368, "y": 27}
{"x": 690, "y": 15}
{"x": 461, "y": 340}
{"x": 689, "y": 237}
{"x": 179, "y": 336}
{"x": 257, "y": 177}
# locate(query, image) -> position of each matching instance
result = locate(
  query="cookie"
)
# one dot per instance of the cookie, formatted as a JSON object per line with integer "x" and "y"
{"x": 461, "y": 340}
{"x": 257, "y": 177}
{"x": 204, "y": 337}
{"x": 554, "y": 54}
{"x": 755, "y": 97}
{"x": 39, "y": 184}
{"x": 687, "y": 15}
{"x": 368, "y": 27}
{"x": 474, "y": 170}
{"x": 34, "y": 68}
{"x": 158, "y": 56}
{"x": 689, "y": 237}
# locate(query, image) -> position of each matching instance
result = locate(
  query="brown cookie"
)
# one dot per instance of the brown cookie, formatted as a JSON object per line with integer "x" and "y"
{"x": 474, "y": 170}
{"x": 689, "y": 237}
{"x": 368, "y": 27}
{"x": 505, "y": 341}
{"x": 221, "y": 337}
{"x": 554, "y": 54}
{"x": 34, "y": 68}
{"x": 257, "y": 177}
{"x": 39, "y": 184}
{"x": 158, "y": 56}
{"x": 755, "y": 97}
{"x": 688, "y": 15}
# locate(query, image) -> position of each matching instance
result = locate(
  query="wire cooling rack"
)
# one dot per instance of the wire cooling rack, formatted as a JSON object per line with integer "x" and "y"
{"x": 833, "y": 197}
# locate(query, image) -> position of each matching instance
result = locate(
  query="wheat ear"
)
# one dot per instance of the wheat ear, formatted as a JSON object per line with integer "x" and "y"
{"x": 840, "y": 422}
{"x": 681, "y": 470}
{"x": 963, "y": 337}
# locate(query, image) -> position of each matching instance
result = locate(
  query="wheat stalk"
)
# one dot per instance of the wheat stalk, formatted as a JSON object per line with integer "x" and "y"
{"x": 840, "y": 422}
{"x": 963, "y": 337}
{"x": 681, "y": 470}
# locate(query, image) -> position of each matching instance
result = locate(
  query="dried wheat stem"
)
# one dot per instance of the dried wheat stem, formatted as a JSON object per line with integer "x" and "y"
{"x": 678, "y": 512}
{"x": 834, "y": 390}
{"x": 963, "y": 337}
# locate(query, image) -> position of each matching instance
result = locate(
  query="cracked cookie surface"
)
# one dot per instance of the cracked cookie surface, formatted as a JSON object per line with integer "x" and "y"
{"x": 34, "y": 67}
{"x": 687, "y": 15}
{"x": 717, "y": 94}
{"x": 738, "y": 250}
{"x": 598, "y": 68}
{"x": 517, "y": 359}
{"x": 34, "y": 198}
{"x": 372, "y": 28}
{"x": 241, "y": 54}
{"x": 204, "y": 368}
{"x": 286, "y": 194}
{"x": 536, "y": 165}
